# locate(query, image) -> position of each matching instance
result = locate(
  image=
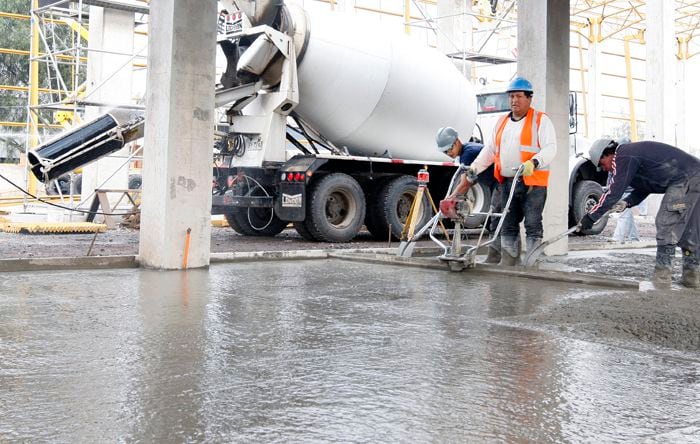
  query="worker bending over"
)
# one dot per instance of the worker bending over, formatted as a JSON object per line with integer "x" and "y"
{"x": 524, "y": 137}
{"x": 655, "y": 168}
{"x": 448, "y": 142}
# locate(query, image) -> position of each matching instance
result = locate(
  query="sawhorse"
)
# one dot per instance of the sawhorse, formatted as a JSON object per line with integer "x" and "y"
{"x": 101, "y": 200}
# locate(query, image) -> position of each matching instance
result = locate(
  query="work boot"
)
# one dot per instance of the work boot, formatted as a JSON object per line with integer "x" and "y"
{"x": 494, "y": 256}
{"x": 510, "y": 251}
{"x": 531, "y": 243}
{"x": 690, "y": 278}
{"x": 664, "y": 257}
{"x": 691, "y": 265}
{"x": 662, "y": 275}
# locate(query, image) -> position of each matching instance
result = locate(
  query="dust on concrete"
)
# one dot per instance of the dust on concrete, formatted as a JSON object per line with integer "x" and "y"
{"x": 125, "y": 241}
{"x": 632, "y": 266}
{"x": 669, "y": 319}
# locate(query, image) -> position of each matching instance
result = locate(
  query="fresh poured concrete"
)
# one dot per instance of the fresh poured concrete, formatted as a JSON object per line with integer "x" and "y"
{"x": 324, "y": 351}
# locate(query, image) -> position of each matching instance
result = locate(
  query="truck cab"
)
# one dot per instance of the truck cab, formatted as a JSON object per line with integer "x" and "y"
{"x": 586, "y": 184}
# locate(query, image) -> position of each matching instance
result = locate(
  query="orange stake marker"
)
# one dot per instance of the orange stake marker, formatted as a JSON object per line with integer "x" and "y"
{"x": 187, "y": 248}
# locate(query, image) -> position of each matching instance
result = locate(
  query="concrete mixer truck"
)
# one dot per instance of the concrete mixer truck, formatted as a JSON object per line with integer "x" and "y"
{"x": 328, "y": 122}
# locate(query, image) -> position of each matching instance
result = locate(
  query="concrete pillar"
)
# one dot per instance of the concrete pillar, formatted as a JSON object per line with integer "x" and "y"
{"x": 543, "y": 58}
{"x": 661, "y": 72}
{"x": 595, "y": 116}
{"x": 681, "y": 99}
{"x": 454, "y": 34}
{"x": 109, "y": 80}
{"x": 177, "y": 172}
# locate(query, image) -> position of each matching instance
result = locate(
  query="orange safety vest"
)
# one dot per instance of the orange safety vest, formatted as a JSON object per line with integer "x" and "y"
{"x": 529, "y": 146}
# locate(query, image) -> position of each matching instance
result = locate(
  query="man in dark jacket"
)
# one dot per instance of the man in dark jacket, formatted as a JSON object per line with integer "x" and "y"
{"x": 449, "y": 143}
{"x": 655, "y": 168}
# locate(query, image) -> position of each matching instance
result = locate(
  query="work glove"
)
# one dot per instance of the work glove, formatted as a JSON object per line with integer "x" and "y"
{"x": 471, "y": 174}
{"x": 586, "y": 223}
{"x": 528, "y": 168}
{"x": 620, "y": 206}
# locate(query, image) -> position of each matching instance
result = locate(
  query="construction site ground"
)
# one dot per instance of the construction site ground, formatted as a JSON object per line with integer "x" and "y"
{"x": 665, "y": 316}
{"x": 344, "y": 346}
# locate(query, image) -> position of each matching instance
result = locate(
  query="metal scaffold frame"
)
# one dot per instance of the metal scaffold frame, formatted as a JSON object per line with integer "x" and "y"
{"x": 49, "y": 47}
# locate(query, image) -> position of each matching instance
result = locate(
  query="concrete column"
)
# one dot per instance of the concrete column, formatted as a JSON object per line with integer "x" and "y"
{"x": 661, "y": 72}
{"x": 595, "y": 116}
{"x": 543, "y": 58}
{"x": 109, "y": 81}
{"x": 177, "y": 170}
{"x": 681, "y": 99}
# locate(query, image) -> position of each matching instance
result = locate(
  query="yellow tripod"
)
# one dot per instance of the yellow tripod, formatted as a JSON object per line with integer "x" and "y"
{"x": 407, "y": 242}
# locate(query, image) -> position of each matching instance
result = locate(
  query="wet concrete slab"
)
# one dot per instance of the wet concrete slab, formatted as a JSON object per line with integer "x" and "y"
{"x": 322, "y": 351}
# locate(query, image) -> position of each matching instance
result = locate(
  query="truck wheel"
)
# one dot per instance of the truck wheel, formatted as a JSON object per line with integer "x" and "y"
{"x": 78, "y": 183}
{"x": 255, "y": 221}
{"x": 586, "y": 194}
{"x": 376, "y": 227}
{"x": 135, "y": 181}
{"x": 391, "y": 205}
{"x": 480, "y": 197}
{"x": 303, "y": 231}
{"x": 335, "y": 210}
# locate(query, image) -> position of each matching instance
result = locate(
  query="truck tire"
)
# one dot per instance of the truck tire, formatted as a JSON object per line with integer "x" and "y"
{"x": 391, "y": 205}
{"x": 135, "y": 181}
{"x": 303, "y": 231}
{"x": 335, "y": 209}
{"x": 374, "y": 226}
{"x": 586, "y": 194}
{"x": 255, "y": 221}
{"x": 251, "y": 222}
{"x": 63, "y": 182}
{"x": 480, "y": 196}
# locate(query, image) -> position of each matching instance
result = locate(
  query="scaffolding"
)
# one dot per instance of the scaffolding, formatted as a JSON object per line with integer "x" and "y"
{"x": 59, "y": 44}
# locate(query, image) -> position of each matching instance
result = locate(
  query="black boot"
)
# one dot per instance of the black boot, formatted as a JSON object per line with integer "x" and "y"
{"x": 691, "y": 269}
{"x": 531, "y": 243}
{"x": 662, "y": 275}
{"x": 664, "y": 263}
{"x": 494, "y": 255}
{"x": 510, "y": 251}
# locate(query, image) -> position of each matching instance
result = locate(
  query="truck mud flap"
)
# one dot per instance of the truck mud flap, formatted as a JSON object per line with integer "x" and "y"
{"x": 291, "y": 205}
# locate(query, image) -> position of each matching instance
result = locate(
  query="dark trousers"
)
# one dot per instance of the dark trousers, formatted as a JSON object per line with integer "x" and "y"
{"x": 496, "y": 206}
{"x": 678, "y": 223}
{"x": 527, "y": 204}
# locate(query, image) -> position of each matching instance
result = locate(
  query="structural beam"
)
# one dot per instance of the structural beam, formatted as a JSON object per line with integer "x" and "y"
{"x": 112, "y": 33}
{"x": 543, "y": 58}
{"x": 175, "y": 219}
{"x": 661, "y": 72}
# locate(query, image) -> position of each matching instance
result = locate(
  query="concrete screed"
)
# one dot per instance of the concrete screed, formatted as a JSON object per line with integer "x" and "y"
{"x": 592, "y": 260}
{"x": 224, "y": 352}
{"x": 342, "y": 351}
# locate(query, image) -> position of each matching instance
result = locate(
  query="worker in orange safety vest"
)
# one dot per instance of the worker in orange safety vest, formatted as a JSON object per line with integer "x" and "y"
{"x": 524, "y": 137}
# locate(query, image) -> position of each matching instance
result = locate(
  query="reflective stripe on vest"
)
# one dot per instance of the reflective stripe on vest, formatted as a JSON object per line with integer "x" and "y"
{"x": 529, "y": 146}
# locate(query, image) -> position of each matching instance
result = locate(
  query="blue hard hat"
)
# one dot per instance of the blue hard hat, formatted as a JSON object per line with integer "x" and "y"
{"x": 520, "y": 84}
{"x": 445, "y": 138}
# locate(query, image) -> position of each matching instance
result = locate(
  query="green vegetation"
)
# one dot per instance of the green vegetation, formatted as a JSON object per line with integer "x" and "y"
{"x": 14, "y": 72}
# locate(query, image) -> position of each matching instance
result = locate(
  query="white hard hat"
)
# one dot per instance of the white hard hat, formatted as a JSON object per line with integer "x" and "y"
{"x": 445, "y": 138}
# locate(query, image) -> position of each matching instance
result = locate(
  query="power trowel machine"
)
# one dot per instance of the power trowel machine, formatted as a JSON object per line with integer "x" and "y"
{"x": 457, "y": 254}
